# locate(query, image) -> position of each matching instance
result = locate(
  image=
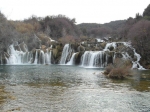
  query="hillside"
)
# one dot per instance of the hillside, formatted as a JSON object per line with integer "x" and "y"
{"x": 100, "y": 30}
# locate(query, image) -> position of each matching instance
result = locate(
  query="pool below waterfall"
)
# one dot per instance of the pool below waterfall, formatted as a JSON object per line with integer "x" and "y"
{"x": 57, "y": 88}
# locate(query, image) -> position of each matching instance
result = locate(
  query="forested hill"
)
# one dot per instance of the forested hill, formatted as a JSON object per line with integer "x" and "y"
{"x": 100, "y": 30}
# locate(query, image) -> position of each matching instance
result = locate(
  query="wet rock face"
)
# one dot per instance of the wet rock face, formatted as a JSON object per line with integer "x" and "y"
{"x": 118, "y": 55}
{"x": 56, "y": 59}
{"x": 78, "y": 57}
{"x": 110, "y": 57}
{"x": 23, "y": 47}
{"x": 81, "y": 48}
{"x": 102, "y": 45}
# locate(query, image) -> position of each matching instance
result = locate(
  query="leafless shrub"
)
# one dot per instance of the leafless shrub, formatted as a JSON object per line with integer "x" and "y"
{"x": 119, "y": 70}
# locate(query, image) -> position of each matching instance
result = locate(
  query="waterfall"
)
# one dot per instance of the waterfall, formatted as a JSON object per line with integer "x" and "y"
{"x": 94, "y": 59}
{"x": 20, "y": 57}
{"x": 136, "y": 63}
{"x": 66, "y": 51}
{"x": 71, "y": 62}
{"x": 48, "y": 57}
{"x": 88, "y": 59}
{"x": 100, "y": 58}
{"x": 15, "y": 56}
{"x": 108, "y": 45}
{"x": 36, "y": 57}
{"x": 41, "y": 57}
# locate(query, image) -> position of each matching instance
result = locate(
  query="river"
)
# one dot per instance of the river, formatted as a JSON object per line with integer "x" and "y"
{"x": 57, "y": 88}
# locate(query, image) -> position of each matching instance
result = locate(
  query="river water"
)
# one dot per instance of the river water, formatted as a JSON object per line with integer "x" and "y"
{"x": 55, "y": 88}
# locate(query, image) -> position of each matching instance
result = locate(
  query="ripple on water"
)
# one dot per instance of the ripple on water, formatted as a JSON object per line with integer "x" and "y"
{"x": 74, "y": 89}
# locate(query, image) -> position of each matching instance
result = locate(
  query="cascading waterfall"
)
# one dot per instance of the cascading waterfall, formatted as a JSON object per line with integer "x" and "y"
{"x": 94, "y": 59}
{"x": 41, "y": 58}
{"x": 136, "y": 63}
{"x": 100, "y": 58}
{"x": 108, "y": 45}
{"x": 36, "y": 57}
{"x": 20, "y": 57}
{"x": 66, "y": 51}
{"x": 71, "y": 62}
{"x": 15, "y": 56}
{"x": 89, "y": 58}
{"x": 48, "y": 57}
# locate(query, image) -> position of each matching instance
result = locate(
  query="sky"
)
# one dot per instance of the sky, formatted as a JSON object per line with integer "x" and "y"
{"x": 84, "y": 11}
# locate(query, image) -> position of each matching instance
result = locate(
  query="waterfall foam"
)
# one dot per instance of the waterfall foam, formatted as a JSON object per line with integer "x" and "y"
{"x": 71, "y": 62}
{"x": 36, "y": 57}
{"x": 47, "y": 57}
{"x": 66, "y": 51}
{"x": 15, "y": 56}
{"x": 94, "y": 59}
{"x": 20, "y": 57}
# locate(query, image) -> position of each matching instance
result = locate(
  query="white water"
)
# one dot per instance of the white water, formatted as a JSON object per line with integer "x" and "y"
{"x": 108, "y": 45}
{"x": 47, "y": 57}
{"x": 36, "y": 58}
{"x": 66, "y": 51}
{"x": 20, "y": 57}
{"x": 94, "y": 59}
{"x": 100, "y": 40}
{"x": 136, "y": 63}
{"x": 41, "y": 58}
{"x": 44, "y": 58}
{"x": 97, "y": 58}
{"x": 16, "y": 57}
{"x": 72, "y": 60}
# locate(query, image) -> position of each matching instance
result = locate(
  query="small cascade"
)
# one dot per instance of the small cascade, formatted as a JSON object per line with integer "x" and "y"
{"x": 18, "y": 57}
{"x": 48, "y": 57}
{"x": 66, "y": 51}
{"x": 108, "y": 45}
{"x": 36, "y": 57}
{"x": 136, "y": 63}
{"x": 100, "y": 58}
{"x": 41, "y": 59}
{"x": 15, "y": 56}
{"x": 94, "y": 59}
{"x": 71, "y": 62}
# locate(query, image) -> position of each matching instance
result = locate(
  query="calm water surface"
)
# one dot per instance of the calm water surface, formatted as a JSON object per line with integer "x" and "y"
{"x": 55, "y": 88}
